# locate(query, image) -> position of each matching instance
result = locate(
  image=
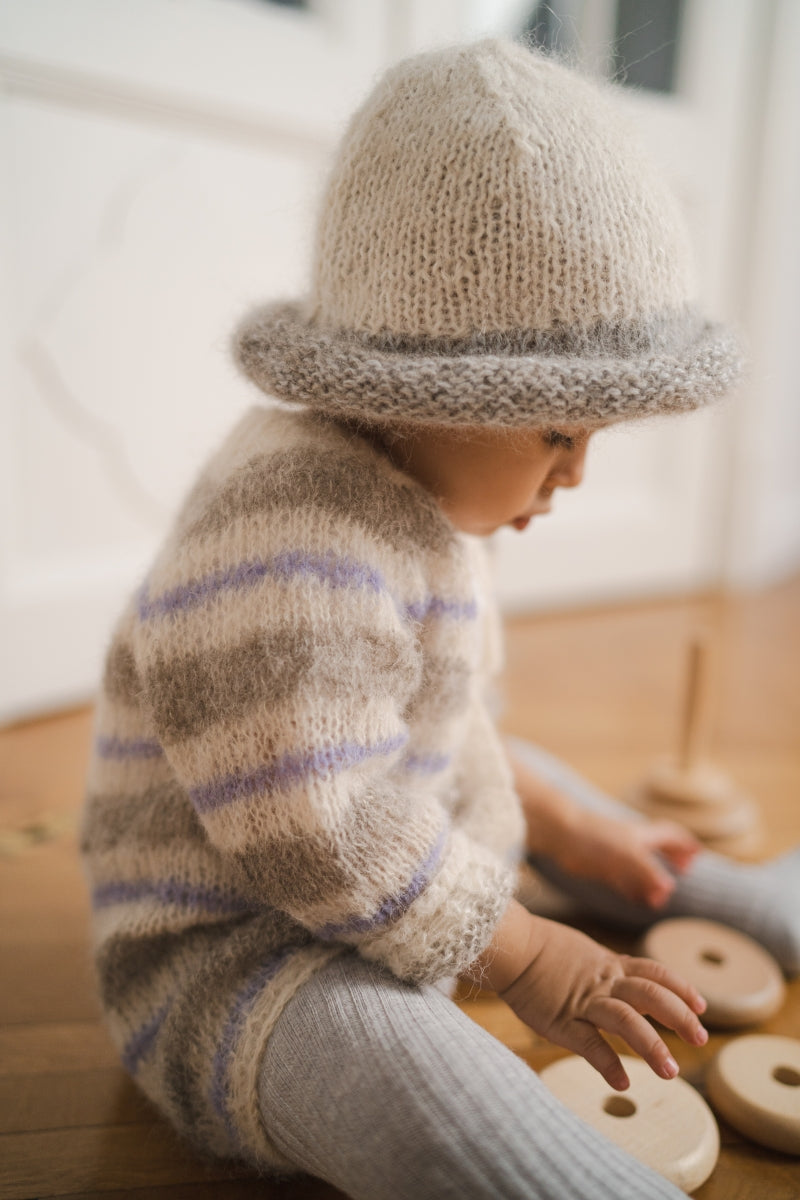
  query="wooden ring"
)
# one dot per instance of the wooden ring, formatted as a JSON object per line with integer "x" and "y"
{"x": 754, "y": 1083}
{"x": 741, "y": 983}
{"x": 664, "y": 1123}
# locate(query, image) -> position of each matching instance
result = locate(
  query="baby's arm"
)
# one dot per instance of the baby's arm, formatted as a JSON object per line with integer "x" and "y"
{"x": 567, "y": 987}
{"x": 622, "y": 854}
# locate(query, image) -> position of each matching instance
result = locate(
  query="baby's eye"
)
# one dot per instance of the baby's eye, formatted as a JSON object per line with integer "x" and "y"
{"x": 559, "y": 441}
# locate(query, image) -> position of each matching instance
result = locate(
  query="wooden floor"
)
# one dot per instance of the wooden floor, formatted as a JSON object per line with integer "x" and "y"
{"x": 602, "y": 689}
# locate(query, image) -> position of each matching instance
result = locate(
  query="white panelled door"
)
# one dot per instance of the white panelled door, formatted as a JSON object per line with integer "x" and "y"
{"x": 650, "y": 517}
{"x": 163, "y": 160}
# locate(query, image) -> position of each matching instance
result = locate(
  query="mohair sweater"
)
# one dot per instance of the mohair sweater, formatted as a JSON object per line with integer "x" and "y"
{"x": 293, "y": 760}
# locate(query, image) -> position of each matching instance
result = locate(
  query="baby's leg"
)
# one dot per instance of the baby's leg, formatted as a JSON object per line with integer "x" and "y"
{"x": 390, "y": 1091}
{"x": 760, "y": 899}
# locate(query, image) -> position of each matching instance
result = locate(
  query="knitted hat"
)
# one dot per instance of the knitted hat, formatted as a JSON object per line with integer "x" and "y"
{"x": 492, "y": 249}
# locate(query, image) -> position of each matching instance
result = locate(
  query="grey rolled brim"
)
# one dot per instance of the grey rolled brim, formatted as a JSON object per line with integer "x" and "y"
{"x": 589, "y": 378}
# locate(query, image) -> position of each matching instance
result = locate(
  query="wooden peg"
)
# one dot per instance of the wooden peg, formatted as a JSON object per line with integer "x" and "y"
{"x": 689, "y": 789}
{"x": 694, "y": 703}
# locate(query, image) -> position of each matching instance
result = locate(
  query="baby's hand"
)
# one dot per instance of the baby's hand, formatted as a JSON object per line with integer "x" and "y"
{"x": 626, "y": 855}
{"x": 574, "y": 987}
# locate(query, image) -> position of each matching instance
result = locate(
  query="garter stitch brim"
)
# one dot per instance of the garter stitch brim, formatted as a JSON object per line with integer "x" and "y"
{"x": 493, "y": 248}
{"x": 357, "y": 378}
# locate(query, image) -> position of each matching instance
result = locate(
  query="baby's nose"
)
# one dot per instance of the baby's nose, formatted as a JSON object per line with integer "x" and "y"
{"x": 569, "y": 471}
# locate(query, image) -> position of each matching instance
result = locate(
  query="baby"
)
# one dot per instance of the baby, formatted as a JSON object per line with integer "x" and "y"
{"x": 301, "y": 823}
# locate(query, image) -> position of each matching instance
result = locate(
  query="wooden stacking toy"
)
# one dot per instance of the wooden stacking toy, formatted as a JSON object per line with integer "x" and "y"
{"x": 664, "y": 1123}
{"x": 741, "y": 983}
{"x": 754, "y": 1083}
{"x": 689, "y": 789}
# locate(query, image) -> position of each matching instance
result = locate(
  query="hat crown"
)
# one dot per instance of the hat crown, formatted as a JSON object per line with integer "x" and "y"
{"x": 486, "y": 189}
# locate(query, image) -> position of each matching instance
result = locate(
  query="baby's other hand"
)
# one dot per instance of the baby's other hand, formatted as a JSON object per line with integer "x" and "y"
{"x": 574, "y": 987}
{"x": 629, "y": 856}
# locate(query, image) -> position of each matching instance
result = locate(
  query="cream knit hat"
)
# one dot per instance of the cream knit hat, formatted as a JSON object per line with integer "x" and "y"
{"x": 493, "y": 249}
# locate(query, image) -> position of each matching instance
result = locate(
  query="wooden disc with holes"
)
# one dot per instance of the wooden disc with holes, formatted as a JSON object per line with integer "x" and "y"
{"x": 701, "y": 785}
{"x": 754, "y": 1083}
{"x": 664, "y": 1123}
{"x": 741, "y": 982}
{"x": 705, "y": 821}
{"x": 748, "y": 847}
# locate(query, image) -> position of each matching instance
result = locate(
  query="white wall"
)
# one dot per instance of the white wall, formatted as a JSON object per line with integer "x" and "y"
{"x": 163, "y": 164}
{"x": 762, "y": 534}
{"x": 164, "y": 161}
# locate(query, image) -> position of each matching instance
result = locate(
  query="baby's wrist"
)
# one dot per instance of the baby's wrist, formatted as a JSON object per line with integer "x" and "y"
{"x": 550, "y": 828}
{"x": 515, "y": 944}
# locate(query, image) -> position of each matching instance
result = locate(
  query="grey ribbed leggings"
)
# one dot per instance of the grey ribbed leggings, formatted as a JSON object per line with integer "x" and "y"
{"x": 390, "y": 1091}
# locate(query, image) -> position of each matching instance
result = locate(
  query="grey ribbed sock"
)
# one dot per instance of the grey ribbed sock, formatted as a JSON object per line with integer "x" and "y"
{"x": 762, "y": 899}
{"x": 390, "y": 1092}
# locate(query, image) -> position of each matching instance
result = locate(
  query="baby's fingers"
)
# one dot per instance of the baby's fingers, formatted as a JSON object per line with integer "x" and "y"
{"x": 647, "y": 968}
{"x": 619, "y": 1017}
{"x": 652, "y": 999}
{"x": 675, "y": 843}
{"x": 583, "y": 1039}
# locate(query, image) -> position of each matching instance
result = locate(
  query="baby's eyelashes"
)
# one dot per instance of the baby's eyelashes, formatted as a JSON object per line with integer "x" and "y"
{"x": 558, "y": 440}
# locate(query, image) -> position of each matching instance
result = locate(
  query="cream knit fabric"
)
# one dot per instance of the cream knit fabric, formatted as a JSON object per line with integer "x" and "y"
{"x": 292, "y": 758}
{"x": 493, "y": 248}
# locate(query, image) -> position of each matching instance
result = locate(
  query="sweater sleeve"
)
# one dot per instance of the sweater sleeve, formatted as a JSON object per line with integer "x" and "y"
{"x": 276, "y": 679}
{"x": 489, "y": 808}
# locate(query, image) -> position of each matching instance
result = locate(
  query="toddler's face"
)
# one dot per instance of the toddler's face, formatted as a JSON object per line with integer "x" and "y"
{"x": 484, "y": 478}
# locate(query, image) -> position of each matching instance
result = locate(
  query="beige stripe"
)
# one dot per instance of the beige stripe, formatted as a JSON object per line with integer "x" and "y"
{"x": 137, "y": 972}
{"x": 387, "y": 837}
{"x": 320, "y": 876}
{"x": 347, "y": 487}
{"x": 188, "y": 694}
{"x": 121, "y": 679}
{"x": 159, "y": 814}
{"x": 443, "y": 692}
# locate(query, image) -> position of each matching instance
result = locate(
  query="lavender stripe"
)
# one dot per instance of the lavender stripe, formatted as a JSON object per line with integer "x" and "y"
{"x": 427, "y": 764}
{"x": 139, "y": 1045}
{"x": 437, "y": 606}
{"x": 220, "y": 1086}
{"x": 393, "y": 907}
{"x": 168, "y": 891}
{"x": 328, "y": 568}
{"x": 287, "y": 771}
{"x": 113, "y": 747}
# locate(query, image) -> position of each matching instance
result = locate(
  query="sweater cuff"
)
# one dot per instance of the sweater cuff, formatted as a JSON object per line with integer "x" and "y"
{"x": 452, "y": 922}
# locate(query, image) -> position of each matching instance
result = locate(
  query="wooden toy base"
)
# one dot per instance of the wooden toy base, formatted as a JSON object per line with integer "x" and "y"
{"x": 704, "y": 800}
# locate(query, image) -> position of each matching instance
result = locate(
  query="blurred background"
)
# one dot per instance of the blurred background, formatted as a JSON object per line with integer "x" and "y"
{"x": 162, "y": 161}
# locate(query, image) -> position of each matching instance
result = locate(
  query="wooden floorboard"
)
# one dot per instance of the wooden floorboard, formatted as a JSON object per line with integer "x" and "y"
{"x": 601, "y": 688}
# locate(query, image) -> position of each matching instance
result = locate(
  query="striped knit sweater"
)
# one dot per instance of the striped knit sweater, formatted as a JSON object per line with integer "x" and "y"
{"x": 292, "y": 761}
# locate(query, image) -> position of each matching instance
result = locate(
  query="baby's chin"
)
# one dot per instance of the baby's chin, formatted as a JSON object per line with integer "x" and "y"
{"x": 487, "y": 529}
